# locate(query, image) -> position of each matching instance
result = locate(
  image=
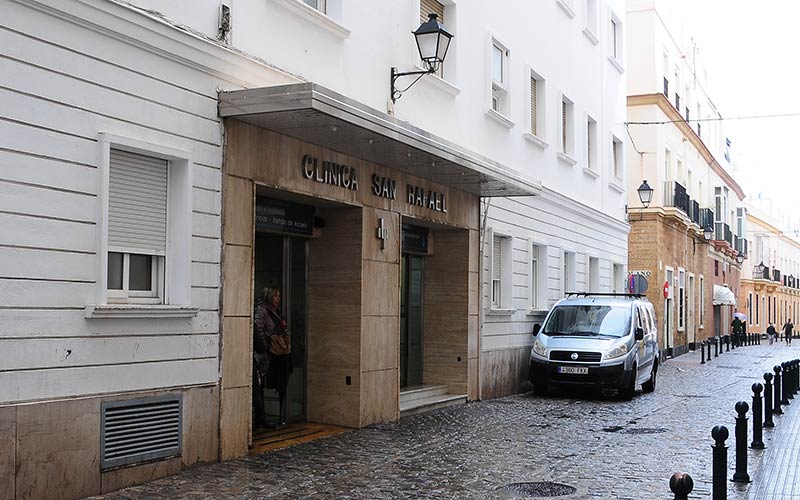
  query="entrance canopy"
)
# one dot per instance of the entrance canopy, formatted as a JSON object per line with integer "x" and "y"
{"x": 723, "y": 296}
{"x": 314, "y": 114}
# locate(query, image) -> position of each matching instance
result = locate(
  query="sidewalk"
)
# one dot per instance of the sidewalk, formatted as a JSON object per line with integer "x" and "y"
{"x": 607, "y": 449}
{"x": 776, "y": 476}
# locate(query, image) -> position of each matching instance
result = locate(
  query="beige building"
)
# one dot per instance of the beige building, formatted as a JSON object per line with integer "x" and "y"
{"x": 770, "y": 287}
{"x": 689, "y": 239}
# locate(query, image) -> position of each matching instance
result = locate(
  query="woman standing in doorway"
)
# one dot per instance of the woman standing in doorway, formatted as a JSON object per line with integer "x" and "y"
{"x": 270, "y": 322}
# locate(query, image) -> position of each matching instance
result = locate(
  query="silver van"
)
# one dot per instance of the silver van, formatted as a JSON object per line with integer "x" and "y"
{"x": 599, "y": 340}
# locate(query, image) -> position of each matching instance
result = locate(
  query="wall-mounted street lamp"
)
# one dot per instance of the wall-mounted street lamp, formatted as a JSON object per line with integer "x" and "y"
{"x": 759, "y": 270}
{"x": 432, "y": 42}
{"x": 645, "y": 193}
{"x": 740, "y": 258}
{"x": 708, "y": 233}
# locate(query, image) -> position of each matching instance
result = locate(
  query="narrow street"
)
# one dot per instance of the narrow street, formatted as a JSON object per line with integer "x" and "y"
{"x": 603, "y": 447}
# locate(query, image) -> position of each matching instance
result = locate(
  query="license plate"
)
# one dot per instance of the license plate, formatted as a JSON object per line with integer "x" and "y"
{"x": 574, "y": 370}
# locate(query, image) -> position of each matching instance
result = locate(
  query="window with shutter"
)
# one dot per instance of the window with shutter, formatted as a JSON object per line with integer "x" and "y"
{"x": 497, "y": 270}
{"x": 564, "y": 125}
{"x": 137, "y": 225}
{"x": 534, "y": 88}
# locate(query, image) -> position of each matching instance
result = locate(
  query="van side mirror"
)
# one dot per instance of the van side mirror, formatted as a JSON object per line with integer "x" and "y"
{"x": 639, "y": 334}
{"x": 536, "y": 329}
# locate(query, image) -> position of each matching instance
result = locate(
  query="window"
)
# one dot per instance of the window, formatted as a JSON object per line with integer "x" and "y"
{"x": 594, "y": 275}
{"x": 667, "y": 165}
{"x": 316, "y": 4}
{"x": 567, "y": 124}
{"x": 500, "y": 56}
{"x": 666, "y": 74}
{"x": 591, "y": 16}
{"x": 591, "y": 143}
{"x": 615, "y": 32}
{"x": 679, "y": 171}
{"x": 137, "y": 226}
{"x": 616, "y": 158}
{"x": 619, "y": 279}
{"x": 681, "y": 299}
{"x": 702, "y": 300}
{"x": 432, "y": 7}
{"x": 501, "y": 272}
{"x": 537, "y": 105}
{"x": 538, "y": 277}
{"x": 568, "y": 278}
{"x": 145, "y": 228}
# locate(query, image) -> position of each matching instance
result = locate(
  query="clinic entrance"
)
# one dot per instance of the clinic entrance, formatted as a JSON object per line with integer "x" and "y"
{"x": 412, "y": 269}
{"x": 281, "y": 263}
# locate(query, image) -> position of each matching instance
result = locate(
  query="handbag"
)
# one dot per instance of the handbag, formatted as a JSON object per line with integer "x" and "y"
{"x": 280, "y": 344}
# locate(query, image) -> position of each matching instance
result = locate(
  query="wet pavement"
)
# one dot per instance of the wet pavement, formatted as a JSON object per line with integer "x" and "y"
{"x": 602, "y": 447}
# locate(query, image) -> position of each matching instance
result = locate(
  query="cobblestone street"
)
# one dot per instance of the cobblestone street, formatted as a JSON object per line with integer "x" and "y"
{"x": 606, "y": 448}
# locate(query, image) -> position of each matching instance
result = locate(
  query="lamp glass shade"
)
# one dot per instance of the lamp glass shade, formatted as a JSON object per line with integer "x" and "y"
{"x": 432, "y": 42}
{"x": 645, "y": 193}
{"x": 740, "y": 258}
{"x": 708, "y": 233}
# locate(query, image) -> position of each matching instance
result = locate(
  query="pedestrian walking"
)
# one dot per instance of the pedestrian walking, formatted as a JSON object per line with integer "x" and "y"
{"x": 787, "y": 331}
{"x": 737, "y": 328}
{"x": 771, "y": 333}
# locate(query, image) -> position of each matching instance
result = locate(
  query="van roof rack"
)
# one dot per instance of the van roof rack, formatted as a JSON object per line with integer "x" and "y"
{"x": 599, "y": 294}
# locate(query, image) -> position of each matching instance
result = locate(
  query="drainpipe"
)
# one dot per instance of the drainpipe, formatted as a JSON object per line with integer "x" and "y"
{"x": 481, "y": 240}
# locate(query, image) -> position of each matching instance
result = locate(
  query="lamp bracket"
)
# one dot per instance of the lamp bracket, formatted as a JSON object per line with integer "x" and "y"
{"x": 396, "y": 93}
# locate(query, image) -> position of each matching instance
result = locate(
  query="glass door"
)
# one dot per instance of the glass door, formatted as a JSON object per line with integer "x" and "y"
{"x": 411, "y": 276}
{"x": 281, "y": 262}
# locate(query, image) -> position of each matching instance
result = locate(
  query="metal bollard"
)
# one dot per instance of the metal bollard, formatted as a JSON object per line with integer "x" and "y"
{"x": 776, "y": 397}
{"x": 741, "y": 475}
{"x": 785, "y": 384}
{"x": 716, "y": 347}
{"x": 681, "y": 484}
{"x": 708, "y": 343}
{"x": 703, "y": 352}
{"x": 768, "y": 400}
{"x": 758, "y": 441}
{"x": 727, "y": 343}
{"x": 719, "y": 466}
{"x": 796, "y": 375}
{"x": 788, "y": 381}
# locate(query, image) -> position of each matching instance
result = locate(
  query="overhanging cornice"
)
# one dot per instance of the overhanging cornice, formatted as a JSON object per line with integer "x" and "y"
{"x": 315, "y": 114}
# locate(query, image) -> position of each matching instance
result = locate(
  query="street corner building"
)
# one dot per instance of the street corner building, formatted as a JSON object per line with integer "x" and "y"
{"x": 689, "y": 240}
{"x": 161, "y": 168}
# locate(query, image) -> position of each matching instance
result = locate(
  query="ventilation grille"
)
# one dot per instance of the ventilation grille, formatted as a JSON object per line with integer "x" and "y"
{"x": 140, "y": 430}
{"x": 583, "y": 357}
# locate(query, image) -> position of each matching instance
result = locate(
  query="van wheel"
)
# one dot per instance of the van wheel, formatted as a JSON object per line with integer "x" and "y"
{"x": 629, "y": 388}
{"x": 650, "y": 385}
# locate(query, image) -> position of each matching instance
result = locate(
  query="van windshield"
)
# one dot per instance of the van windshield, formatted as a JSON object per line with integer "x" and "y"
{"x": 613, "y": 321}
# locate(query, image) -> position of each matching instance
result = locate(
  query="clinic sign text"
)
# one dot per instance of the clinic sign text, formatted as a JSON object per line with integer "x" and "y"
{"x": 346, "y": 177}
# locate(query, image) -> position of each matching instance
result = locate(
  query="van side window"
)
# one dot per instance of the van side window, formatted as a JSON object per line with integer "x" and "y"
{"x": 639, "y": 321}
{"x": 647, "y": 325}
{"x": 652, "y": 315}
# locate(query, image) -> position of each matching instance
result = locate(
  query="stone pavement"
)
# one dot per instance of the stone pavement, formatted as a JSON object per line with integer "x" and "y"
{"x": 605, "y": 448}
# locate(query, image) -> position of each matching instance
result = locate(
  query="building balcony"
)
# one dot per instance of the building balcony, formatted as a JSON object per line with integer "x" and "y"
{"x": 675, "y": 195}
{"x": 722, "y": 232}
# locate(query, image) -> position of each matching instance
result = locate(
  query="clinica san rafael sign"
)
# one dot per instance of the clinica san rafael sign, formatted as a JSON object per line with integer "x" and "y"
{"x": 346, "y": 177}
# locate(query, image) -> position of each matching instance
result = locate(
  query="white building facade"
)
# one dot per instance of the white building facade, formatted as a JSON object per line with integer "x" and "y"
{"x": 139, "y": 140}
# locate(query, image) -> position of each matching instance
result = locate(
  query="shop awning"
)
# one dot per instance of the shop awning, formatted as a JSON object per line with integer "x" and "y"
{"x": 723, "y": 296}
{"x": 314, "y": 114}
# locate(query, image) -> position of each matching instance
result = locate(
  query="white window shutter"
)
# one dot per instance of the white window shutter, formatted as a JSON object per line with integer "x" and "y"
{"x": 497, "y": 258}
{"x": 137, "y": 202}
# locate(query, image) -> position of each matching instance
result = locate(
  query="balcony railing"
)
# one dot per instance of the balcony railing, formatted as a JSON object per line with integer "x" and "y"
{"x": 678, "y": 102}
{"x": 694, "y": 212}
{"x": 722, "y": 232}
{"x": 666, "y": 88}
{"x": 776, "y": 275}
{"x": 761, "y": 274}
{"x": 706, "y": 218}
{"x": 675, "y": 195}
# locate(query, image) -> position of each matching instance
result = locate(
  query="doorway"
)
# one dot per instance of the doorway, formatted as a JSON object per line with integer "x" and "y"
{"x": 690, "y": 323}
{"x": 411, "y": 319}
{"x": 282, "y": 262}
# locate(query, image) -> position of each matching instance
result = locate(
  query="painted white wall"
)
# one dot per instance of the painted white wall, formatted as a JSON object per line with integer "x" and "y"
{"x": 353, "y": 48}
{"x": 63, "y": 84}
{"x": 660, "y": 44}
